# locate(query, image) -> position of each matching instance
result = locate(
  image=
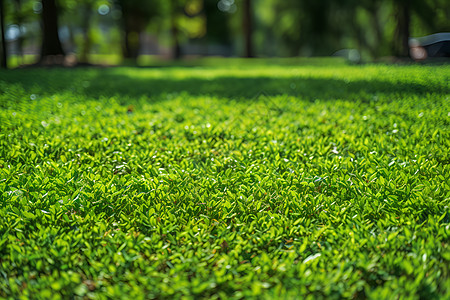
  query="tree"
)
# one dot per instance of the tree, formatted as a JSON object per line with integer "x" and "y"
{"x": 402, "y": 30}
{"x": 51, "y": 45}
{"x": 312, "y": 27}
{"x": 217, "y": 29}
{"x": 3, "y": 58}
{"x": 136, "y": 15}
{"x": 176, "y": 9}
{"x": 248, "y": 28}
{"x": 368, "y": 27}
{"x": 86, "y": 9}
{"x": 18, "y": 19}
{"x": 404, "y": 10}
{"x": 187, "y": 21}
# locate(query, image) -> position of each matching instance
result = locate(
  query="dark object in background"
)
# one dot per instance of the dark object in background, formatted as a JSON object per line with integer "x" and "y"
{"x": 3, "y": 56}
{"x": 435, "y": 45}
{"x": 51, "y": 50}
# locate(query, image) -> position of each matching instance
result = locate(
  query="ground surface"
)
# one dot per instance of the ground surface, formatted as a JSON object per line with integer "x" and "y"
{"x": 226, "y": 179}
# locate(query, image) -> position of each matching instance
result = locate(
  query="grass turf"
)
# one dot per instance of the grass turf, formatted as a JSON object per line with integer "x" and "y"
{"x": 267, "y": 179}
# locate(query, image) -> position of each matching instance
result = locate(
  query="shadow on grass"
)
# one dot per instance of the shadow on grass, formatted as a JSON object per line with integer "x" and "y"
{"x": 248, "y": 87}
{"x": 97, "y": 83}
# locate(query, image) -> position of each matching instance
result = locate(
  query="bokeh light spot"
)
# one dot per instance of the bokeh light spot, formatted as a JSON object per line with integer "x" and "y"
{"x": 103, "y": 9}
{"x": 12, "y": 33}
{"x": 227, "y": 6}
{"x": 37, "y": 7}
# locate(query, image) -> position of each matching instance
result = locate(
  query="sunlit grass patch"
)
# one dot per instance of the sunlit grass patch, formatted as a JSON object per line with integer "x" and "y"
{"x": 216, "y": 181}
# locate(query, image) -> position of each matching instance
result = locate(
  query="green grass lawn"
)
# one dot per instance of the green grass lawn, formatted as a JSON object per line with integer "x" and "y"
{"x": 226, "y": 178}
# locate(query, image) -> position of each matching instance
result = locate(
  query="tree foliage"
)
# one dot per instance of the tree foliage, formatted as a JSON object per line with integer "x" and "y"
{"x": 136, "y": 14}
{"x": 250, "y": 27}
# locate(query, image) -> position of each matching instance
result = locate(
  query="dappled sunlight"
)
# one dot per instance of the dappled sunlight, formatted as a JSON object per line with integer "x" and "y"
{"x": 352, "y": 83}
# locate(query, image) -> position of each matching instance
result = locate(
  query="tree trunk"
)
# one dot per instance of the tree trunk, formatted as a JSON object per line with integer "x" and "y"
{"x": 132, "y": 45}
{"x": 51, "y": 45}
{"x": 402, "y": 30}
{"x": 87, "y": 9}
{"x": 3, "y": 58}
{"x": 247, "y": 26}
{"x": 176, "y": 48}
{"x": 375, "y": 49}
{"x": 20, "y": 39}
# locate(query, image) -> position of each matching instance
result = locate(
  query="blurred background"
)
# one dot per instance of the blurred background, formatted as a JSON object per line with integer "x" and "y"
{"x": 142, "y": 32}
